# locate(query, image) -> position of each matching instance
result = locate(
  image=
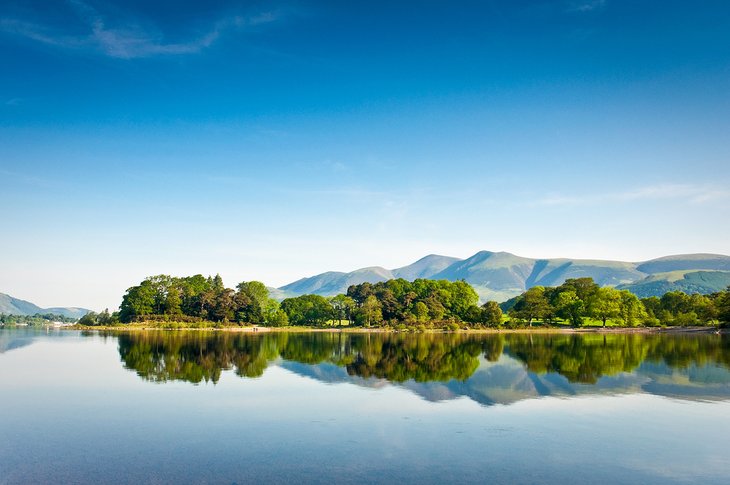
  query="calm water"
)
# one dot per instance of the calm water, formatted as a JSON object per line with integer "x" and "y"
{"x": 182, "y": 407}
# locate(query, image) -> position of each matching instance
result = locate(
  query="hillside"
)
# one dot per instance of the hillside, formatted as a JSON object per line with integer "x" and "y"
{"x": 332, "y": 282}
{"x": 500, "y": 275}
{"x": 425, "y": 267}
{"x": 715, "y": 262}
{"x": 14, "y": 306}
{"x": 703, "y": 282}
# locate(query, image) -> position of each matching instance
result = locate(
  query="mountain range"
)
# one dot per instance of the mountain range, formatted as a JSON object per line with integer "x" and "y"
{"x": 14, "y": 306}
{"x": 500, "y": 275}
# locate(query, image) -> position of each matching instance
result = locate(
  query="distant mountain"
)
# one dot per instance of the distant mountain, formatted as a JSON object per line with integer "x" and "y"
{"x": 15, "y": 306}
{"x": 494, "y": 275}
{"x": 425, "y": 267}
{"x": 501, "y": 276}
{"x": 332, "y": 282}
{"x": 679, "y": 262}
{"x": 703, "y": 282}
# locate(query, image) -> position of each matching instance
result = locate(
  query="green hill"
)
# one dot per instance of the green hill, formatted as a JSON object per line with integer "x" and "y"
{"x": 703, "y": 282}
{"x": 15, "y": 306}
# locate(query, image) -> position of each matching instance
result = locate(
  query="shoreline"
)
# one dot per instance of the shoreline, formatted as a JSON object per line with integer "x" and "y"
{"x": 570, "y": 330}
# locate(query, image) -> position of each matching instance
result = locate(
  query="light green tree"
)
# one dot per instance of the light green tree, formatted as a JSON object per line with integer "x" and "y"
{"x": 606, "y": 304}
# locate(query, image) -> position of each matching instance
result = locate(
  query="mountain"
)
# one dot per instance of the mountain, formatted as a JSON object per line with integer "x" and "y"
{"x": 333, "y": 282}
{"x": 500, "y": 275}
{"x": 494, "y": 275}
{"x": 657, "y": 284}
{"x": 679, "y": 262}
{"x": 425, "y": 267}
{"x": 15, "y": 306}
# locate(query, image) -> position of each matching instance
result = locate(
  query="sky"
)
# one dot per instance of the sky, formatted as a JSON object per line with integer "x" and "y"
{"x": 277, "y": 140}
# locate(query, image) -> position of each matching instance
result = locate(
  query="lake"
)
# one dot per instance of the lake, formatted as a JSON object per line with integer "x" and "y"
{"x": 207, "y": 407}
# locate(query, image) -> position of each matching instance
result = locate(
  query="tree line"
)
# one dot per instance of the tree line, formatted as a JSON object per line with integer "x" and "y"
{"x": 581, "y": 299}
{"x": 422, "y": 357}
{"x": 198, "y": 301}
{"x": 35, "y": 319}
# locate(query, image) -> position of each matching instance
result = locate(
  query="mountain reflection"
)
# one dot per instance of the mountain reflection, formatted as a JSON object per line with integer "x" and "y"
{"x": 493, "y": 368}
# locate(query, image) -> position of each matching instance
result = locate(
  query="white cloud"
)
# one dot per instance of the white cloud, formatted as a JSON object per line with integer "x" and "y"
{"x": 128, "y": 40}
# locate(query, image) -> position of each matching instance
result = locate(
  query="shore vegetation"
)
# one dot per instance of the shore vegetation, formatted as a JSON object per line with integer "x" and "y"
{"x": 205, "y": 302}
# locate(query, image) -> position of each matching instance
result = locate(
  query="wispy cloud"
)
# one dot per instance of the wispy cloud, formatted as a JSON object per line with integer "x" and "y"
{"x": 128, "y": 40}
{"x": 15, "y": 178}
{"x": 586, "y": 5}
{"x": 694, "y": 194}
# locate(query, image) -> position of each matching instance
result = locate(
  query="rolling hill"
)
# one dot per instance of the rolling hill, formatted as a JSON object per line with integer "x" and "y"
{"x": 501, "y": 275}
{"x": 703, "y": 282}
{"x": 333, "y": 282}
{"x": 14, "y": 306}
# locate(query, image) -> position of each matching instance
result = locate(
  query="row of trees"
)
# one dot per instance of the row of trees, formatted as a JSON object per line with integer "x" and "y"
{"x": 36, "y": 319}
{"x": 580, "y": 299}
{"x": 200, "y": 299}
{"x": 395, "y": 302}
{"x": 197, "y": 299}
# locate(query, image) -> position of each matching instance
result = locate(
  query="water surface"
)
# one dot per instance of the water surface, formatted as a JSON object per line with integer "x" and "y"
{"x": 197, "y": 407}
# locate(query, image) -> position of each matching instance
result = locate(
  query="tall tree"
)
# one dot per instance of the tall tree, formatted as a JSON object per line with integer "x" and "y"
{"x": 492, "y": 313}
{"x": 343, "y": 307}
{"x": 606, "y": 304}
{"x": 531, "y": 305}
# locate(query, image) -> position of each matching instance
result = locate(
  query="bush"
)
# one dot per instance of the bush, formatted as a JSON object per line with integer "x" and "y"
{"x": 684, "y": 319}
{"x": 652, "y": 322}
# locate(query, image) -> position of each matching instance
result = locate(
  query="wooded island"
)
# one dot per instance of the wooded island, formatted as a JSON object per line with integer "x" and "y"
{"x": 198, "y": 301}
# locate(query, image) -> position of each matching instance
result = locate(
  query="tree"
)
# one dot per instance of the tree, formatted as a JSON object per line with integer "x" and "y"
{"x": 585, "y": 288}
{"x": 222, "y": 308}
{"x": 89, "y": 319}
{"x": 137, "y": 301}
{"x": 173, "y": 302}
{"x": 492, "y": 313}
{"x": 370, "y": 312}
{"x": 570, "y": 307}
{"x": 307, "y": 310}
{"x": 676, "y": 302}
{"x": 462, "y": 298}
{"x": 606, "y": 304}
{"x": 631, "y": 309}
{"x": 256, "y": 290}
{"x": 279, "y": 319}
{"x": 723, "y": 306}
{"x": 343, "y": 307}
{"x": 254, "y": 304}
{"x": 420, "y": 311}
{"x": 531, "y": 305}
{"x": 360, "y": 292}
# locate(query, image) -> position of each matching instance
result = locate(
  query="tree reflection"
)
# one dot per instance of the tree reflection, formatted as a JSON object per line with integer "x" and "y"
{"x": 581, "y": 358}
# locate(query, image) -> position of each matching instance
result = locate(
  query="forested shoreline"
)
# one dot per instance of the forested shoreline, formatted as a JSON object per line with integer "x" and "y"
{"x": 34, "y": 320}
{"x": 422, "y": 304}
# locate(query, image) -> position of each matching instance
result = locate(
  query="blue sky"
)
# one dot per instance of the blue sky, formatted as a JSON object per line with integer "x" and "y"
{"x": 275, "y": 140}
